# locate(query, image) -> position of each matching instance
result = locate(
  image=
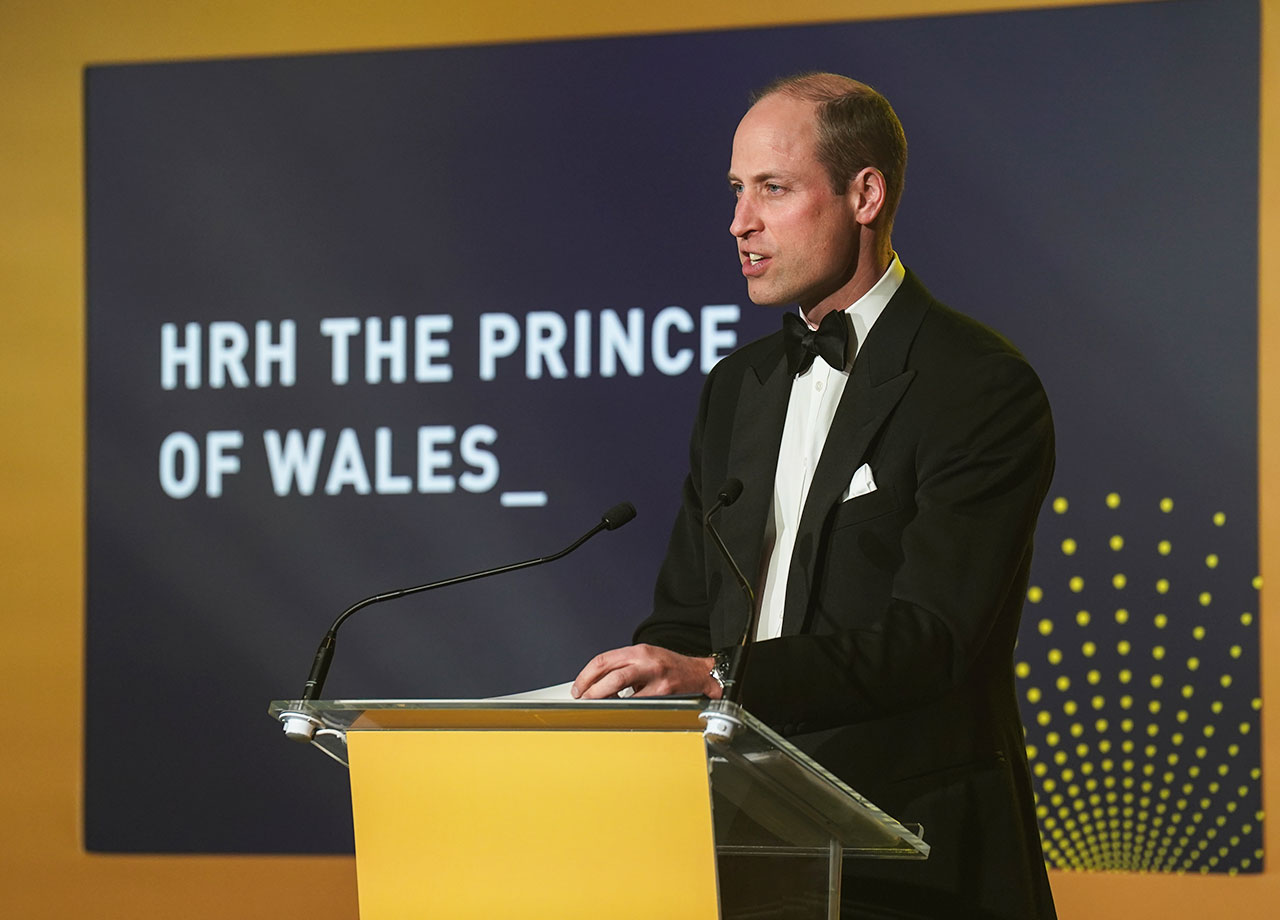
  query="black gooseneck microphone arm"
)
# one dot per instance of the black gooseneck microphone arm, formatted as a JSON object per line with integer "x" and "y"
{"x": 612, "y": 519}
{"x": 727, "y": 495}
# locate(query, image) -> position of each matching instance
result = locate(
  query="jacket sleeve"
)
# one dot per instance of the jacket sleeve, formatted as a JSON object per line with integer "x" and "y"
{"x": 682, "y": 603}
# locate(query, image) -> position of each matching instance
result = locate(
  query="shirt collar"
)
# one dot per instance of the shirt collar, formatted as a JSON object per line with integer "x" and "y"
{"x": 864, "y": 311}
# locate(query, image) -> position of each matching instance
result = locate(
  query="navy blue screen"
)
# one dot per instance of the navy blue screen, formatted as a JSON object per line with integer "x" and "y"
{"x": 549, "y": 222}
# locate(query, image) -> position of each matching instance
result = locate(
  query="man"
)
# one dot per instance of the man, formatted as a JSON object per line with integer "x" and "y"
{"x": 891, "y": 488}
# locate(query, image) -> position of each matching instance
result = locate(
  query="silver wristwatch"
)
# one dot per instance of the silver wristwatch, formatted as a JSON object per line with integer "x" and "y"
{"x": 720, "y": 671}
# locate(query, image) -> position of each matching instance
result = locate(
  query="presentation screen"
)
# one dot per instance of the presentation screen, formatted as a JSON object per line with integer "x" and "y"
{"x": 362, "y": 321}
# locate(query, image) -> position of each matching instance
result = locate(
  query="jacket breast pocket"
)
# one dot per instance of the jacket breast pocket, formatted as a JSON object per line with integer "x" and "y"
{"x": 883, "y": 500}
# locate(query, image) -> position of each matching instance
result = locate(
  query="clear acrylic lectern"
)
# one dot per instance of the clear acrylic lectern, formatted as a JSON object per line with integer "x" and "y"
{"x": 613, "y": 808}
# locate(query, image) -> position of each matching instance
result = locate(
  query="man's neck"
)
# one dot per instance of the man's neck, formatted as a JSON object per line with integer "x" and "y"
{"x": 874, "y": 257}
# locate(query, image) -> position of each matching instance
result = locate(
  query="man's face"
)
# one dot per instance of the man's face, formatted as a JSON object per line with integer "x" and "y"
{"x": 797, "y": 239}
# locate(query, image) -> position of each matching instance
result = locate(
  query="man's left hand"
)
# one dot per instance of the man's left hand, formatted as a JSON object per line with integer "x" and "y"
{"x": 646, "y": 669}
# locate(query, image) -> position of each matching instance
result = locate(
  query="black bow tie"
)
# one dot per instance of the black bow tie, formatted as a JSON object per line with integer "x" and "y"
{"x": 830, "y": 340}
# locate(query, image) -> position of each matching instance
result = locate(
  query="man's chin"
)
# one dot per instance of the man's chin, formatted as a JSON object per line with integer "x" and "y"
{"x": 768, "y": 299}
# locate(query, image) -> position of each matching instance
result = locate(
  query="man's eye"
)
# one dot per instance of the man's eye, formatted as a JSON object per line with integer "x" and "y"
{"x": 773, "y": 188}
{"x": 736, "y": 188}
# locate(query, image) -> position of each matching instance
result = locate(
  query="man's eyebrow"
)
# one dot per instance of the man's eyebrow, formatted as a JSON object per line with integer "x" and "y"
{"x": 762, "y": 178}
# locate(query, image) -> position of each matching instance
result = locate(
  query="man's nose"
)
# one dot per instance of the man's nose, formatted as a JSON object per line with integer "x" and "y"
{"x": 745, "y": 217}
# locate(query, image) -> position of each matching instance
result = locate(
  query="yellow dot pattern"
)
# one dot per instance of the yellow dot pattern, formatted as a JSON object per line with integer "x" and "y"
{"x": 1143, "y": 718}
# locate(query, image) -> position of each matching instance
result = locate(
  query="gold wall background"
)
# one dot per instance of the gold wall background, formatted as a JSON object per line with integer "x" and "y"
{"x": 44, "y": 47}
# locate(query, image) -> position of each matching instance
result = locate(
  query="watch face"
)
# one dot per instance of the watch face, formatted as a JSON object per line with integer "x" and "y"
{"x": 721, "y": 670}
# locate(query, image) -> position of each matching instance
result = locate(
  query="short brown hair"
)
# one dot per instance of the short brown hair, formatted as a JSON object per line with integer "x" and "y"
{"x": 856, "y": 128}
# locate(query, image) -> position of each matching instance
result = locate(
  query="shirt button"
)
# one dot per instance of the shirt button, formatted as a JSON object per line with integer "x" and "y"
{"x": 818, "y": 386}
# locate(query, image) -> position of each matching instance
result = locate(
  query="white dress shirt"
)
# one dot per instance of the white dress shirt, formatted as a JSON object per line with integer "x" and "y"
{"x": 814, "y": 397}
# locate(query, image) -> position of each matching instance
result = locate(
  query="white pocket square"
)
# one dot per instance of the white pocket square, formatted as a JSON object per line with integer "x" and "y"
{"x": 861, "y": 483}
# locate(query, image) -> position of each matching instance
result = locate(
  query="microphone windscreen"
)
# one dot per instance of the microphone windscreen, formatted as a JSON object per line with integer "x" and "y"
{"x": 618, "y": 515}
{"x": 729, "y": 492}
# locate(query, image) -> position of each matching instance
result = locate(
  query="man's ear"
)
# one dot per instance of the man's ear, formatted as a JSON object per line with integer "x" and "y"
{"x": 866, "y": 195}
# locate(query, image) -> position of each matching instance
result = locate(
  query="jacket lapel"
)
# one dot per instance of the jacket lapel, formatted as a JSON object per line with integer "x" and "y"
{"x": 878, "y": 381}
{"x": 753, "y": 458}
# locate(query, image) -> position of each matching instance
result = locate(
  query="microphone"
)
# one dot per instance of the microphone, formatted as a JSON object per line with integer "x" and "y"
{"x": 728, "y": 494}
{"x": 615, "y": 517}
{"x": 612, "y": 519}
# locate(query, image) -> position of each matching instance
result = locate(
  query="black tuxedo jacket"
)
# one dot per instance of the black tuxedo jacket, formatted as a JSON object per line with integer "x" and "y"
{"x": 895, "y": 664}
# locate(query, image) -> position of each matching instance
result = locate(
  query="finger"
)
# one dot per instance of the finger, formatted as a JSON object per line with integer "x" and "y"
{"x": 610, "y": 684}
{"x": 597, "y": 667}
{"x": 639, "y": 670}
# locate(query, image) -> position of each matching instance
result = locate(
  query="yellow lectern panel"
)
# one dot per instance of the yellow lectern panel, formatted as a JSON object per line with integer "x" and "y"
{"x": 527, "y": 824}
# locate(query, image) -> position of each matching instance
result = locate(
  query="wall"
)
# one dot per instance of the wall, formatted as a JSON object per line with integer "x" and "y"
{"x": 43, "y": 49}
